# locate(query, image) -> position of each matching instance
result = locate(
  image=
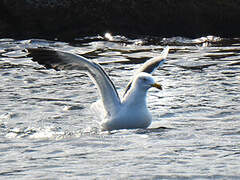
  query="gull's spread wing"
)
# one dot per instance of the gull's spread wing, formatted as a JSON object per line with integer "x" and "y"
{"x": 60, "y": 60}
{"x": 151, "y": 65}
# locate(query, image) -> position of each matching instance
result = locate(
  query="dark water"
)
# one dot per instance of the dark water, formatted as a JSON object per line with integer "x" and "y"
{"x": 47, "y": 130}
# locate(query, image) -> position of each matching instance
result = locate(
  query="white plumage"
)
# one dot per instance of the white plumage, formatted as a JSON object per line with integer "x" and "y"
{"x": 127, "y": 113}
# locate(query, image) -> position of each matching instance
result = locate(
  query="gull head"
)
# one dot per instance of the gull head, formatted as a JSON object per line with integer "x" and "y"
{"x": 145, "y": 81}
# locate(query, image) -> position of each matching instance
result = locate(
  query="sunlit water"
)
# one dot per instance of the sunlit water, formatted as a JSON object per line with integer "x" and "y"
{"x": 47, "y": 130}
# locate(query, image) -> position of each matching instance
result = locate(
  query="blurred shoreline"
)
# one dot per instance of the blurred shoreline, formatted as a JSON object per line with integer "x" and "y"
{"x": 66, "y": 20}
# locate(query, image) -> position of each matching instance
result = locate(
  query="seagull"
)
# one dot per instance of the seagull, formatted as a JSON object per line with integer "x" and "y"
{"x": 129, "y": 112}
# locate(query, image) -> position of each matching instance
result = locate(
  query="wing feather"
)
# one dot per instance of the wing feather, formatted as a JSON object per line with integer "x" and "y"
{"x": 60, "y": 60}
{"x": 151, "y": 65}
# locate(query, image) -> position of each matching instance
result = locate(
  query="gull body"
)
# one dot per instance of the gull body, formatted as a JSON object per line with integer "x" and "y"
{"x": 131, "y": 111}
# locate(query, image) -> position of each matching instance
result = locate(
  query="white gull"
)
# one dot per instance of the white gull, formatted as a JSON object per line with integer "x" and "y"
{"x": 131, "y": 111}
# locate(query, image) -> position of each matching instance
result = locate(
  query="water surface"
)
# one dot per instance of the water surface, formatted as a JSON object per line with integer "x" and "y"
{"x": 47, "y": 130}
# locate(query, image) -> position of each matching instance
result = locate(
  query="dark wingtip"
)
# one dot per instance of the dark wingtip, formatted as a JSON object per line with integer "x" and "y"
{"x": 43, "y": 56}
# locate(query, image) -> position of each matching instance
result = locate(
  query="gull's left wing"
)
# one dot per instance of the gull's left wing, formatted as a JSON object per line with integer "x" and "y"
{"x": 61, "y": 60}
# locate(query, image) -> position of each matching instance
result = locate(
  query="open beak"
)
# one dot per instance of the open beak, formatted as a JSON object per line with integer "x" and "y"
{"x": 156, "y": 85}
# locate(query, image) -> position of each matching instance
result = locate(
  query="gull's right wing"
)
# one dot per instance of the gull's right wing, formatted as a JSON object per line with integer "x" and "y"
{"x": 151, "y": 65}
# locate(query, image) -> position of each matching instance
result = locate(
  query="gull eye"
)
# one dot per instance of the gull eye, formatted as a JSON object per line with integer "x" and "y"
{"x": 144, "y": 79}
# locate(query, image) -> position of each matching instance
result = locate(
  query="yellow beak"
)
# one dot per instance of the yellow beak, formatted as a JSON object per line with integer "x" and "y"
{"x": 156, "y": 85}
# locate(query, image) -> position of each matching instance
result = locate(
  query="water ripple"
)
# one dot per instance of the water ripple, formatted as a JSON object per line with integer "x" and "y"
{"x": 47, "y": 129}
